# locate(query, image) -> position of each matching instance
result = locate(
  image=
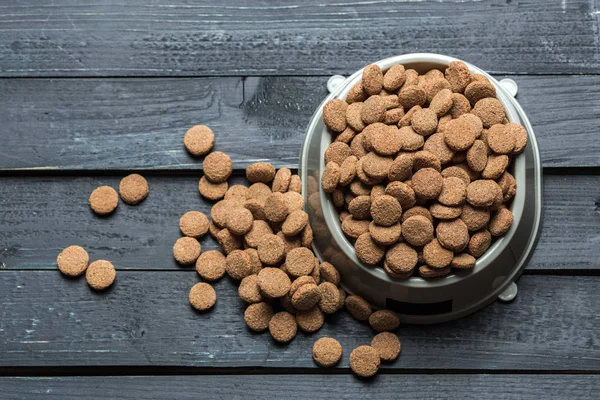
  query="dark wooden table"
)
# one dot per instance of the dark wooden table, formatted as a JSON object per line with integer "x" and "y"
{"x": 93, "y": 90}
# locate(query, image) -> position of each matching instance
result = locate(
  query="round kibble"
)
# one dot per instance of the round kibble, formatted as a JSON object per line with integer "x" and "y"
{"x": 384, "y": 321}
{"x": 394, "y": 78}
{"x": 248, "y": 289}
{"x": 453, "y": 235}
{"x": 329, "y": 273}
{"x": 327, "y": 352}
{"x": 386, "y": 210}
{"x": 294, "y": 201}
{"x": 260, "y": 172}
{"x": 256, "y": 233}
{"x": 275, "y": 207}
{"x": 364, "y": 361}
{"x": 186, "y": 250}
{"x": 375, "y": 166}
{"x": 475, "y": 218}
{"x": 460, "y": 105}
{"x": 458, "y": 173}
{"x": 295, "y": 184}
{"x": 441, "y": 102}
{"x": 311, "y": 320}
{"x": 100, "y": 274}
{"x": 436, "y": 144}
{"x": 334, "y": 114}
{"x": 356, "y": 93}
{"x": 353, "y": 227}
{"x": 443, "y": 212}
{"x": 460, "y": 133}
{"x": 254, "y": 260}
{"x": 306, "y": 236}
{"x": 330, "y": 297}
{"x": 425, "y": 159}
{"x": 520, "y": 135}
{"x": 387, "y": 345}
{"x": 482, "y": 192}
{"x": 300, "y": 261}
{"x": 336, "y": 152}
{"x": 353, "y": 116}
{"x": 501, "y": 222}
{"x": 237, "y": 265}
{"x": 437, "y": 256}
{"x": 424, "y": 122}
{"x": 412, "y": 96}
{"x": 405, "y": 120}
{"x": 495, "y": 166}
{"x": 417, "y": 210}
{"x": 463, "y": 261}
{"x": 240, "y": 221}
{"x": 300, "y": 281}
{"x": 348, "y": 170}
{"x": 220, "y": 211}
{"x": 194, "y": 224}
{"x": 373, "y": 110}
{"x": 454, "y": 192}
{"x": 477, "y": 156}
{"x": 294, "y": 223}
{"x": 458, "y": 75}
{"x": 367, "y": 250}
{"x": 401, "y": 258}
{"x": 202, "y": 296}
{"x": 330, "y": 177}
{"x": 508, "y": 184}
{"x": 212, "y": 191}
{"x": 357, "y": 146}
{"x": 417, "y": 230}
{"x": 211, "y": 265}
{"x": 372, "y": 79}
{"x": 283, "y": 327}
{"x": 133, "y": 188}
{"x": 401, "y": 168}
{"x": 73, "y": 261}
{"x": 501, "y": 139}
{"x": 358, "y": 307}
{"x": 385, "y": 235}
{"x": 104, "y": 200}
{"x": 217, "y": 167}
{"x": 479, "y": 89}
{"x": 258, "y": 316}
{"x": 427, "y": 183}
{"x": 237, "y": 192}
{"x": 490, "y": 111}
{"x": 403, "y": 193}
{"x": 427, "y": 272}
{"x": 306, "y": 297}
{"x": 199, "y": 140}
{"x": 479, "y": 243}
{"x": 273, "y": 282}
{"x": 387, "y": 142}
{"x": 281, "y": 182}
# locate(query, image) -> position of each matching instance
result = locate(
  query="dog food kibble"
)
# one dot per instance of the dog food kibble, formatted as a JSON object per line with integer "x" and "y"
{"x": 334, "y": 115}
{"x": 202, "y": 296}
{"x": 490, "y": 111}
{"x": 248, "y": 289}
{"x": 239, "y": 221}
{"x": 443, "y": 212}
{"x": 283, "y": 327}
{"x": 186, "y": 250}
{"x": 212, "y": 191}
{"x": 365, "y": 361}
{"x": 453, "y": 235}
{"x": 500, "y": 222}
{"x": 387, "y": 345}
{"x": 329, "y": 273}
{"x": 258, "y": 316}
{"x": 329, "y": 301}
{"x": 436, "y": 256}
{"x": 475, "y": 218}
{"x": 199, "y": 140}
{"x": 299, "y": 261}
{"x": 133, "y": 189}
{"x": 104, "y": 200}
{"x": 311, "y": 320}
{"x": 384, "y": 320}
{"x": 193, "y": 224}
{"x": 479, "y": 243}
{"x": 217, "y": 167}
{"x": 367, "y": 250}
{"x": 358, "y": 307}
{"x": 100, "y": 274}
{"x": 463, "y": 261}
{"x": 306, "y": 297}
{"x": 237, "y": 265}
{"x": 294, "y": 223}
{"x": 482, "y": 192}
{"x": 427, "y": 183}
{"x": 260, "y": 172}
{"x": 273, "y": 282}
{"x": 211, "y": 265}
{"x": 424, "y": 122}
{"x": 73, "y": 261}
{"x": 417, "y": 230}
{"x": 327, "y": 352}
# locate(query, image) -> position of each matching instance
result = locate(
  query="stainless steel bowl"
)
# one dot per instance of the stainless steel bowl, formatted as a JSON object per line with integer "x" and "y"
{"x": 418, "y": 300}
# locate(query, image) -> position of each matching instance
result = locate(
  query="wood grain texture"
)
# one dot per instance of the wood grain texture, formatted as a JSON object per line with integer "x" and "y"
{"x": 145, "y": 320}
{"x": 265, "y": 387}
{"x": 299, "y": 38}
{"x": 46, "y": 214}
{"x": 119, "y": 124}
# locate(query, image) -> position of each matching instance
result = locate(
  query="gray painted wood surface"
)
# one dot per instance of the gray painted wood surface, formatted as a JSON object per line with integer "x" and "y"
{"x": 145, "y": 320}
{"x": 278, "y": 387}
{"x": 291, "y": 38}
{"x": 118, "y": 124}
{"x": 46, "y": 214}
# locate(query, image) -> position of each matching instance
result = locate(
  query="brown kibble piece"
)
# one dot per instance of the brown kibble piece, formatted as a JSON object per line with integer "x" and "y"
{"x": 356, "y": 93}
{"x": 260, "y": 172}
{"x": 306, "y": 297}
{"x": 385, "y": 235}
{"x": 248, "y": 289}
{"x": 237, "y": 193}
{"x": 390, "y": 101}
{"x": 258, "y": 191}
{"x": 330, "y": 177}
{"x": 299, "y": 261}
{"x": 294, "y": 201}
{"x": 217, "y": 167}
{"x": 283, "y": 327}
{"x": 482, "y": 192}
{"x": 327, "y": 352}
{"x": 443, "y": 212}
{"x": 336, "y": 152}
{"x": 405, "y": 120}
{"x": 271, "y": 249}
{"x": 372, "y": 79}
{"x": 258, "y": 316}
{"x": 330, "y": 297}
{"x": 477, "y": 156}
{"x": 133, "y": 189}
{"x": 394, "y": 77}
{"x": 100, "y": 274}
{"x": 359, "y": 308}
{"x": 441, "y": 102}
{"x": 425, "y": 159}
{"x": 211, "y": 265}
{"x": 460, "y": 133}
{"x": 453, "y": 235}
{"x": 454, "y": 192}
{"x": 393, "y": 116}
{"x": 353, "y": 116}
{"x": 458, "y": 173}
{"x": 401, "y": 258}
{"x": 364, "y": 361}
{"x": 193, "y": 224}
{"x": 436, "y": 256}
{"x": 458, "y": 75}
{"x": 495, "y": 166}
{"x": 427, "y": 183}
{"x": 306, "y": 236}
{"x": 281, "y": 182}
{"x": 427, "y": 272}
{"x": 418, "y": 231}
{"x": 300, "y": 281}
{"x": 424, "y": 121}
{"x": 329, "y": 273}
{"x": 73, "y": 261}
{"x": 357, "y": 147}
{"x": 501, "y": 222}
{"x": 436, "y": 144}
{"x": 348, "y": 170}
{"x": 385, "y": 210}
{"x": 199, "y": 140}
{"x": 212, "y": 191}
{"x": 508, "y": 184}
{"x": 384, "y": 321}
{"x": 240, "y": 221}
{"x": 500, "y": 139}
{"x": 104, "y": 200}
{"x": 202, "y": 296}
{"x": 416, "y": 210}
{"x": 254, "y": 260}
{"x": 273, "y": 282}
{"x": 294, "y": 223}
{"x": 412, "y": 96}
{"x": 401, "y": 168}
{"x": 374, "y": 165}
{"x": 353, "y": 227}
{"x": 186, "y": 250}
{"x": 275, "y": 207}
{"x": 475, "y": 218}
{"x": 334, "y": 114}
{"x": 237, "y": 265}
{"x": 479, "y": 243}
{"x": 520, "y": 135}
{"x": 478, "y": 90}
{"x": 295, "y": 184}
{"x": 387, "y": 142}
{"x": 257, "y": 232}
{"x": 387, "y": 345}
{"x": 463, "y": 261}
{"x": 373, "y": 110}
{"x": 460, "y": 105}
{"x": 490, "y": 111}
{"x": 311, "y": 320}
{"x": 401, "y": 192}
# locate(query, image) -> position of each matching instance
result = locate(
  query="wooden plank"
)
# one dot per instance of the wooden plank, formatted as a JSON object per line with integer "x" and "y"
{"x": 145, "y": 320}
{"x": 480, "y": 386}
{"x": 46, "y": 214}
{"x": 118, "y": 124}
{"x": 298, "y": 38}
